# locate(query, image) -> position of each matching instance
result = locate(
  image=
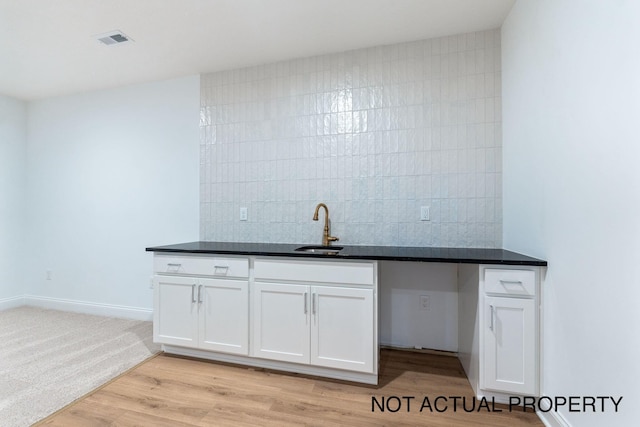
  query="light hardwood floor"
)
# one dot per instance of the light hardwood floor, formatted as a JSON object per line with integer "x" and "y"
{"x": 174, "y": 391}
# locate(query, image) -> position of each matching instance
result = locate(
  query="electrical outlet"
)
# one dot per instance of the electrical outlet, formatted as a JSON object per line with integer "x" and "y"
{"x": 244, "y": 214}
{"x": 49, "y": 275}
{"x": 424, "y": 213}
{"x": 151, "y": 283}
{"x": 425, "y": 302}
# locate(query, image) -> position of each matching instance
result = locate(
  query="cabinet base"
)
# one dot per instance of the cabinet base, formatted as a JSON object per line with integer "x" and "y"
{"x": 503, "y": 397}
{"x": 274, "y": 364}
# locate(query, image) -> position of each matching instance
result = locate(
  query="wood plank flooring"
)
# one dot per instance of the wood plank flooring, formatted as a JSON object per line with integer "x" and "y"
{"x": 175, "y": 391}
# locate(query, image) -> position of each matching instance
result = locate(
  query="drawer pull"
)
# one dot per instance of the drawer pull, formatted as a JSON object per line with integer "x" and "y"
{"x": 220, "y": 269}
{"x": 511, "y": 282}
{"x": 173, "y": 267}
{"x": 193, "y": 293}
{"x": 491, "y": 324}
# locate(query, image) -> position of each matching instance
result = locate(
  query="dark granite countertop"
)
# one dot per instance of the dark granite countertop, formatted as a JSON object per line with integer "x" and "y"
{"x": 384, "y": 253}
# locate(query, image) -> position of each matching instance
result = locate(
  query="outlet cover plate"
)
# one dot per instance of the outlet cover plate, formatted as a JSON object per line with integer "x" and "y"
{"x": 424, "y": 213}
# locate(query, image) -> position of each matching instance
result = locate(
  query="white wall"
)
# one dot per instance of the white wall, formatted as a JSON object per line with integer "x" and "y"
{"x": 110, "y": 173}
{"x": 403, "y": 321}
{"x": 571, "y": 99}
{"x": 13, "y": 145}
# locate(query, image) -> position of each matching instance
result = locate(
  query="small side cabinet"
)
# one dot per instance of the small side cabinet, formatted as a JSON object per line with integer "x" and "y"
{"x": 509, "y": 331}
{"x": 499, "y": 329}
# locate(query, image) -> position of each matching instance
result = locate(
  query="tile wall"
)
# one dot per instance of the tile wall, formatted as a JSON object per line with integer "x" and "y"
{"x": 374, "y": 133}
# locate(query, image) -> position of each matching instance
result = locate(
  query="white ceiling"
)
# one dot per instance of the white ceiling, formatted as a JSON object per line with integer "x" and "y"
{"x": 47, "y": 46}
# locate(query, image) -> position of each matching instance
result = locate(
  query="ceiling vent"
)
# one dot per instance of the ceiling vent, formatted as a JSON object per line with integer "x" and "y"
{"x": 113, "y": 37}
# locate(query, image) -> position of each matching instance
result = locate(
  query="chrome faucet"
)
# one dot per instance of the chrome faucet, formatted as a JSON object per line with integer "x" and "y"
{"x": 326, "y": 238}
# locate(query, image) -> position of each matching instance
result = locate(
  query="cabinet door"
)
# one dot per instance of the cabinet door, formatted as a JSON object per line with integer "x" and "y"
{"x": 509, "y": 341}
{"x": 280, "y": 322}
{"x": 224, "y": 315}
{"x": 342, "y": 328}
{"x": 175, "y": 314}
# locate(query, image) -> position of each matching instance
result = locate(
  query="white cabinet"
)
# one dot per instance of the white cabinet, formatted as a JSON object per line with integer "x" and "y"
{"x": 320, "y": 317}
{"x": 342, "y": 328}
{"x": 202, "y": 312}
{"x": 328, "y": 324}
{"x": 509, "y": 333}
{"x": 499, "y": 329}
{"x": 312, "y": 316}
{"x": 280, "y": 322}
{"x": 175, "y": 314}
{"x": 224, "y": 316}
{"x": 509, "y": 342}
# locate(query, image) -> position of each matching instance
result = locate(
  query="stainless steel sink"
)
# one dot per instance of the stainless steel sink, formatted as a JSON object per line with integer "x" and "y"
{"x": 324, "y": 250}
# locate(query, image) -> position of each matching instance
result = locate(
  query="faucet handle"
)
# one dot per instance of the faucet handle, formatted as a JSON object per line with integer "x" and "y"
{"x": 332, "y": 238}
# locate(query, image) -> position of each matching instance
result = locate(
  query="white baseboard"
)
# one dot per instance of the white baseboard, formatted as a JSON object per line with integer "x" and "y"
{"x": 552, "y": 419}
{"x": 126, "y": 312}
{"x": 13, "y": 302}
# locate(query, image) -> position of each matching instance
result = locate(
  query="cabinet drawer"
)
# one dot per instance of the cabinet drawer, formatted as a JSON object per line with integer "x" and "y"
{"x": 511, "y": 282}
{"x": 201, "y": 266}
{"x": 315, "y": 271}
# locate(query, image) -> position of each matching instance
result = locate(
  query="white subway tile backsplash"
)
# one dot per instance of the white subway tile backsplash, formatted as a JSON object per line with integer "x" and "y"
{"x": 374, "y": 133}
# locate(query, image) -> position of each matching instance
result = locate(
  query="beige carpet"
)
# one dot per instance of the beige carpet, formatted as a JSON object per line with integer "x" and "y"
{"x": 50, "y": 358}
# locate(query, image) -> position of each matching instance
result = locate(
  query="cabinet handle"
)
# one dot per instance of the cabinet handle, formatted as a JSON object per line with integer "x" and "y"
{"x": 193, "y": 293}
{"x": 173, "y": 267}
{"x": 313, "y": 302}
{"x": 511, "y": 282}
{"x": 224, "y": 269}
{"x": 200, "y": 294}
{"x": 305, "y": 303}
{"x": 491, "y": 324}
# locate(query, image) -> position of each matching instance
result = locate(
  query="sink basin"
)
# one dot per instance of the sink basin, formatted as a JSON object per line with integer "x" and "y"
{"x": 324, "y": 250}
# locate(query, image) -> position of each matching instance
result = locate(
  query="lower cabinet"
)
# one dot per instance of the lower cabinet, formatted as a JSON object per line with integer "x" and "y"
{"x": 317, "y": 317}
{"x": 498, "y": 329}
{"x": 320, "y": 317}
{"x": 509, "y": 345}
{"x": 342, "y": 328}
{"x": 201, "y": 312}
{"x": 319, "y": 325}
{"x": 280, "y": 322}
{"x": 175, "y": 314}
{"x": 224, "y": 316}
